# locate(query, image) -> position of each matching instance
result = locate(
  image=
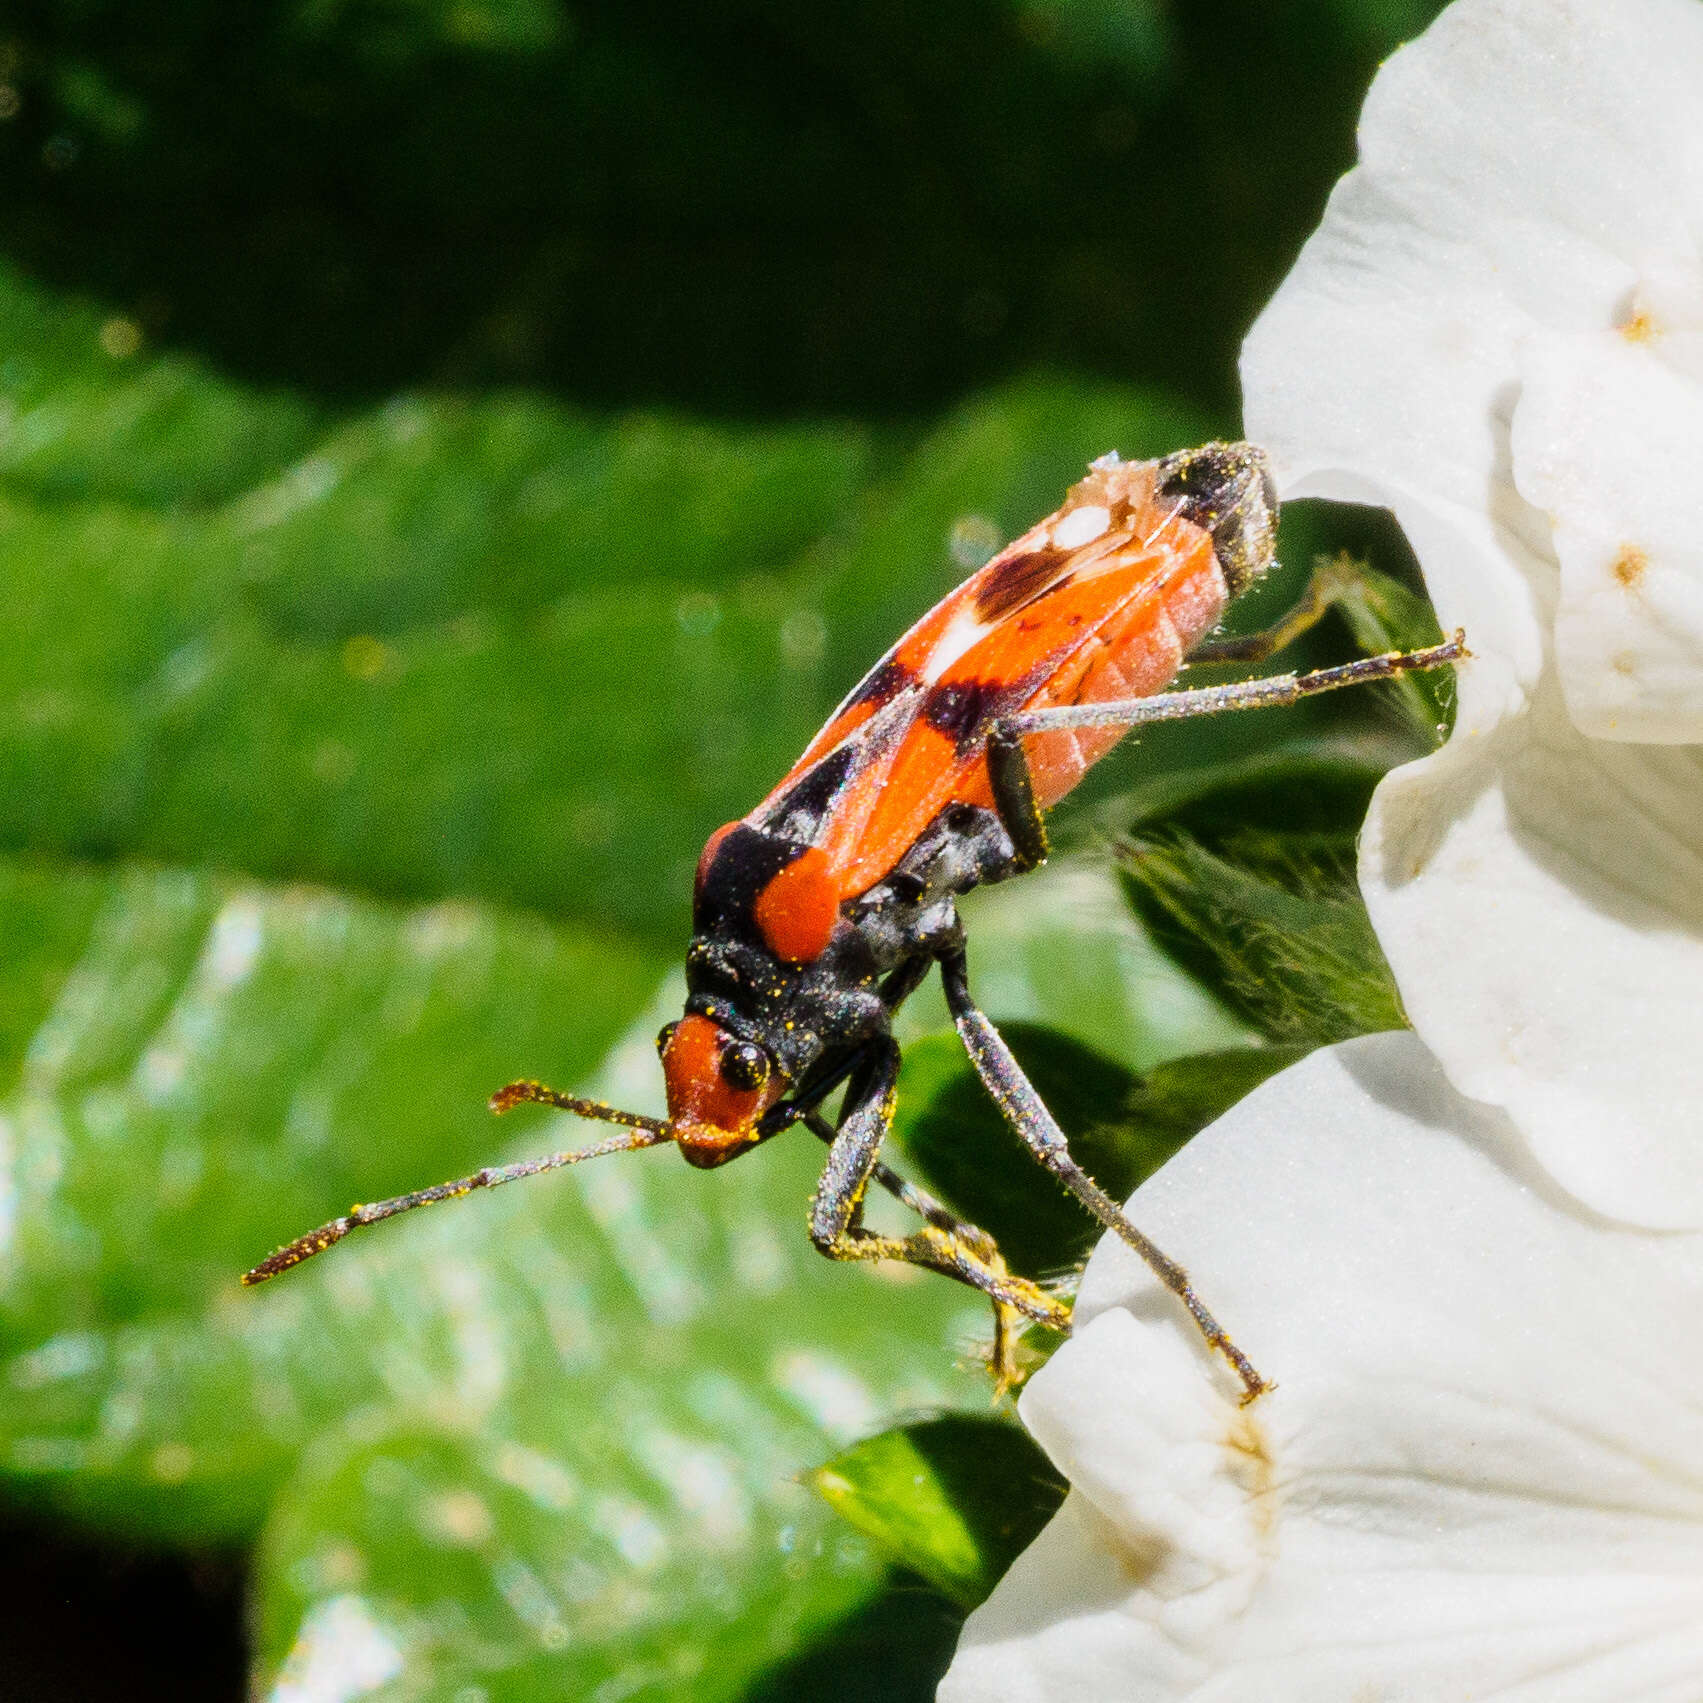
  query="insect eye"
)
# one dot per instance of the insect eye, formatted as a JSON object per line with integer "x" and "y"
{"x": 744, "y": 1066}
{"x": 666, "y": 1036}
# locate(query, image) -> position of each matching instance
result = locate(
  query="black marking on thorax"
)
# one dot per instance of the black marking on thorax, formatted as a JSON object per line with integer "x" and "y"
{"x": 746, "y": 861}
{"x": 800, "y": 1013}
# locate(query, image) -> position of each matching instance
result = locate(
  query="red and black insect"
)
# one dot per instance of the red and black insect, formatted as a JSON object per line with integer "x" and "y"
{"x": 819, "y": 913}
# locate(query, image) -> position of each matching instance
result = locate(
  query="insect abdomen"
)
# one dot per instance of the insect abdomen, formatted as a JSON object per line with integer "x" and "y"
{"x": 1135, "y": 657}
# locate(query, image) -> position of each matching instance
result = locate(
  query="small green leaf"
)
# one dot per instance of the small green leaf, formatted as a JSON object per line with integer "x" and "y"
{"x": 892, "y": 1648}
{"x": 1384, "y": 615}
{"x": 954, "y": 1499}
{"x": 1245, "y": 875}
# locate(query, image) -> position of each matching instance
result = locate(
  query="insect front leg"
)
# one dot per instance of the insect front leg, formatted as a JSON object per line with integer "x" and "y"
{"x": 1323, "y": 589}
{"x": 1024, "y": 1109}
{"x": 1006, "y": 1328}
{"x": 945, "y": 1244}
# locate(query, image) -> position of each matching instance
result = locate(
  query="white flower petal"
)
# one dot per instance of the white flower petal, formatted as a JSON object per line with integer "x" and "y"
{"x": 1609, "y": 441}
{"x": 1530, "y": 171}
{"x": 1480, "y": 1474}
{"x": 1540, "y": 898}
{"x": 1498, "y": 332}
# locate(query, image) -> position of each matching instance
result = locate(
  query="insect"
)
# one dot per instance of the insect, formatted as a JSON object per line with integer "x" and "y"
{"x": 819, "y": 913}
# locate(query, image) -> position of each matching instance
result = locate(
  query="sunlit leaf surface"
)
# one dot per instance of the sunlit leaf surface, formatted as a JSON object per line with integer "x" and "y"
{"x": 955, "y": 1498}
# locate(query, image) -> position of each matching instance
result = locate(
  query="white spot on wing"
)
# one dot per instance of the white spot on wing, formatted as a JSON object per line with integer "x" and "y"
{"x": 1081, "y": 526}
{"x": 962, "y": 631}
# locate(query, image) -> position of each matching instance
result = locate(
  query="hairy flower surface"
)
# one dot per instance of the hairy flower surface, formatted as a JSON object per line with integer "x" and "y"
{"x": 1481, "y": 1472}
{"x": 1498, "y": 332}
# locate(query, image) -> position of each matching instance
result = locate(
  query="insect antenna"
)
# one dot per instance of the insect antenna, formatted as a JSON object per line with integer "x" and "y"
{"x": 638, "y": 1132}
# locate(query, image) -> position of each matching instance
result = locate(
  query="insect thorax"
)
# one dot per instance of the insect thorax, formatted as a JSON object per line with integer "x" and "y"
{"x": 805, "y": 1012}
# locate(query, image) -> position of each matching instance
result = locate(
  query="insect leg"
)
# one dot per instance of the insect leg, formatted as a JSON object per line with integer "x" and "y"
{"x": 1024, "y": 1109}
{"x": 1241, "y": 695}
{"x": 1006, "y": 1327}
{"x": 1323, "y": 589}
{"x": 945, "y": 1244}
{"x": 1014, "y": 797}
{"x": 919, "y": 1200}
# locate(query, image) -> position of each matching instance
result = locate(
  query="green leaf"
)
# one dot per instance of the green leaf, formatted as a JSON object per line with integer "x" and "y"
{"x": 1245, "y": 875}
{"x": 626, "y": 1369}
{"x": 1121, "y": 1128}
{"x": 500, "y": 649}
{"x": 1384, "y": 615}
{"x": 955, "y": 1499}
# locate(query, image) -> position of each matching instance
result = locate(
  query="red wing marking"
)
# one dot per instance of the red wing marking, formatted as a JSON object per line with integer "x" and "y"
{"x": 798, "y": 907}
{"x": 1101, "y": 600}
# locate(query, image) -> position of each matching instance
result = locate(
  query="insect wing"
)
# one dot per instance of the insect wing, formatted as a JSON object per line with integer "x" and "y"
{"x": 1047, "y": 620}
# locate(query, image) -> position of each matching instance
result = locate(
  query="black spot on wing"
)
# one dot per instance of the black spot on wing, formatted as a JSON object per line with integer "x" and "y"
{"x": 799, "y": 811}
{"x": 961, "y": 709}
{"x": 884, "y": 683}
{"x": 1010, "y": 584}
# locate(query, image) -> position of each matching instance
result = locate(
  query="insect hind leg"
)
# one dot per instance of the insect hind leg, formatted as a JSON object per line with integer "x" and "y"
{"x": 1024, "y": 1109}
{"x": 945, "y": 1244}
{"x": 1274, "y": 690}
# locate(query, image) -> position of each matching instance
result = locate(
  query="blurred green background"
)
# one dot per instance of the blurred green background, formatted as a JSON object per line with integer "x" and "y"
{"x": 452, "y": 455}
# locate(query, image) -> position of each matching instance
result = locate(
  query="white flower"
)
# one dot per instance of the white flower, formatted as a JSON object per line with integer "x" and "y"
{"x": 1480, "y": 1475}
{"x": 1498, "y": 332}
